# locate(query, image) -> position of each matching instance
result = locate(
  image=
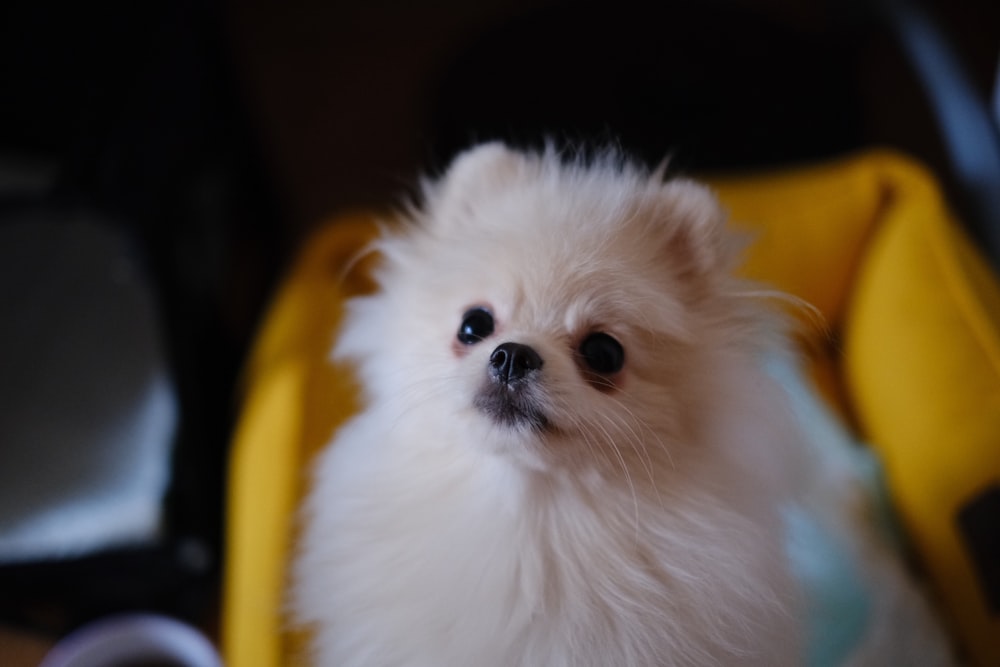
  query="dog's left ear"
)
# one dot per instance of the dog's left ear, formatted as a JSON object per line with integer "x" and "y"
{"x": 473, "y": 174}
{"x": 694, "y": 238}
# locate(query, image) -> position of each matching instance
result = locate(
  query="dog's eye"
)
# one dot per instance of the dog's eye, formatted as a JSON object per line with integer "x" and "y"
{"x": 602, "y": 353}
{"x": 477, "y": 324}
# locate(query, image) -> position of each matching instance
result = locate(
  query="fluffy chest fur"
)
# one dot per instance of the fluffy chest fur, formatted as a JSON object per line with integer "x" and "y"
{"x": 426, "y": 551}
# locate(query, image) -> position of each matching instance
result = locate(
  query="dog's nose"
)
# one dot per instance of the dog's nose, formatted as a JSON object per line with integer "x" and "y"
{"x": 512, "y": 361}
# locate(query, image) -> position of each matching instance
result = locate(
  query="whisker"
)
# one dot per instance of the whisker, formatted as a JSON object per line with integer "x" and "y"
{"x": 646, "y": 426}
{"x": 808, "y": 312}
{"x": 628, "y": 475}
{"x": 633, "y": 438}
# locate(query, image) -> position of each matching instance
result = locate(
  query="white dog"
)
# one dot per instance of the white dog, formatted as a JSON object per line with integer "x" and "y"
{"x": 570, "y": 453}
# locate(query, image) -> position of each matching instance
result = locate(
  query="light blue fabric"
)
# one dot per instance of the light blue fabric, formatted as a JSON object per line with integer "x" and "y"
{"x": 839, "y": 604}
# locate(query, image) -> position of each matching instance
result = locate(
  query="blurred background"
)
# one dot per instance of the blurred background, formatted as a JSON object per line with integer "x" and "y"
{"x": 161, "y": 161}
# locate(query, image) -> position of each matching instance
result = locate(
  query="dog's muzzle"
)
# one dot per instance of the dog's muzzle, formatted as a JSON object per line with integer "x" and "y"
{"x": 511, "y": 393}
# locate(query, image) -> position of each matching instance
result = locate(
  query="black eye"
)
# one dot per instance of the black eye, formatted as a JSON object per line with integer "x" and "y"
{"x": 477, "y": 324}
{"x": 602, "y": 353}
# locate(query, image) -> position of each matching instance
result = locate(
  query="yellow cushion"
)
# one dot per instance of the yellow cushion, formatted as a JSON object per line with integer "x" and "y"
{"x": 294, "y": 400}
{"x": 910, "y": 349}
{"x": 922, "y": 341}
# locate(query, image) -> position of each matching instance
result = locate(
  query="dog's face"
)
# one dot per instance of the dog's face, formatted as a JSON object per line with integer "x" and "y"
{"x": 560, "y": 314}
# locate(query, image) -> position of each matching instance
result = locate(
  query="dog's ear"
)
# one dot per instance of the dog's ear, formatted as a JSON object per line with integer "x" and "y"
{"x": 487, "y": 163}
{"x": 473, "y": 174}
{"x": 694, "y": 238}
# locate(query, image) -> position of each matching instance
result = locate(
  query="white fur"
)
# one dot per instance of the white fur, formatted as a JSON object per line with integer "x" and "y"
{"x": 642, "y": 527}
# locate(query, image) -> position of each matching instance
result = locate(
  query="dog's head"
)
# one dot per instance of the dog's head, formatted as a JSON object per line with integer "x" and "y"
{"x": 557, "y": 310}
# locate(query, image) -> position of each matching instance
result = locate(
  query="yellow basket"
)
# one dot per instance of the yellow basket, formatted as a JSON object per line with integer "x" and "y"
{"x": 913, "y": 363}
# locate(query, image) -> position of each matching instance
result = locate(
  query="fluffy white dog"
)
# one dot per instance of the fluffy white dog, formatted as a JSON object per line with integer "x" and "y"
{"x": 570, "y": 453}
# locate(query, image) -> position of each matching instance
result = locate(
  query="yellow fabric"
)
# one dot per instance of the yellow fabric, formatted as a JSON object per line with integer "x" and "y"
{"x": 295, "y": 399}
{"x": 910, "y": 348}
{"x": 923, "y": 365}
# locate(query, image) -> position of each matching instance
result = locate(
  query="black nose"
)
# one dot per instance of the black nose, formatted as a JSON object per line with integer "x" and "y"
{"x": 512, "y": 361}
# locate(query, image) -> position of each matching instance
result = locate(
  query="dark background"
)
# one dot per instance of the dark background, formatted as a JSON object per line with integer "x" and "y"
{"x": 217, "y": 133}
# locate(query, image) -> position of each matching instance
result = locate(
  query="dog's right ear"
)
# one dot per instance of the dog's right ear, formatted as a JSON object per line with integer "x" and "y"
{"x": 472, "y": 176}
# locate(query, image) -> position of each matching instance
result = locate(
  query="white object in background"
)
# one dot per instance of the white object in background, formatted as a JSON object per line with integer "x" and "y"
{"x": 132, "y": 640}
{"x": 89, "y": 412}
